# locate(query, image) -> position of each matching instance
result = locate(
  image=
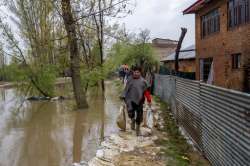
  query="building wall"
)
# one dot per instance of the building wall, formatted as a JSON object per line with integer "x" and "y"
{"x": 184, "y": 65}
{"x": 161, "y": 52}
{"x": 220, "y": 46}
{"x": 163, "y": 47}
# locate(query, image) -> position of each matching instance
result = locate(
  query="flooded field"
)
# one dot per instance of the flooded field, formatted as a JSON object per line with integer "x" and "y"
{"x": 52, "y": 133}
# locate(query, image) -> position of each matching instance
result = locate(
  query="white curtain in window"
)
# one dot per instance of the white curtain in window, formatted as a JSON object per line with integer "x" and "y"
{"x": 201, "y": 69}
{"x": 211, "y": 74}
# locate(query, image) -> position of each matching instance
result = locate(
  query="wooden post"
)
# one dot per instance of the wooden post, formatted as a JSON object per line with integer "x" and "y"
{"x": 183, "y": 33}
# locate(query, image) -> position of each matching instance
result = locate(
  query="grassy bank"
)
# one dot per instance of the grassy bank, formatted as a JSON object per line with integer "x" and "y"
{"x": 174, "y": 146}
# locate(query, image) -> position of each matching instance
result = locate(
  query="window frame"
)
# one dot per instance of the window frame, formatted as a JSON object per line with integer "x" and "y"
{"x": 210, "y": 23}
{"x": 205, "y": 68}
{"x": 236, "y": 61}
{"x": 238, "y": 13}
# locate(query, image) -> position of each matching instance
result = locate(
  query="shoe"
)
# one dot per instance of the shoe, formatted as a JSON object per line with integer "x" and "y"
{"x": 133, "y": 124}
{"x": 138, "y": 131}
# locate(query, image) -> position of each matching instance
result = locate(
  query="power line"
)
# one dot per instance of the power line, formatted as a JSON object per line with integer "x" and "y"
{"x": 100, "y": 11}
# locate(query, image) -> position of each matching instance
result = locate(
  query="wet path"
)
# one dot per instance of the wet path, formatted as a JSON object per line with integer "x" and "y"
{"x": 52, "y": 133}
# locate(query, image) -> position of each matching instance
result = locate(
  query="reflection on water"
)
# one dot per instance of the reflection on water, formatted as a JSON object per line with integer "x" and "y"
{"x": 52, "y": 133}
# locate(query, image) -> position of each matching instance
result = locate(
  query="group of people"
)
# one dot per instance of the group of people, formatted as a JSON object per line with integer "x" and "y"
{"x": 136, "y": 91}
{"x": 124, "y": 73}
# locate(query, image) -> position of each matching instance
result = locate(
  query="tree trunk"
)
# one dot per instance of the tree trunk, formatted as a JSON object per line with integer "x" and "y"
{"x": 100, "y": 36}
{"x": 183, "y": 33}
{"x": 79, "y": 93}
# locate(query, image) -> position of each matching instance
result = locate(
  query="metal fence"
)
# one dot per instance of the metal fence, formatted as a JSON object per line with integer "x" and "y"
{"x": 217, "y": 120}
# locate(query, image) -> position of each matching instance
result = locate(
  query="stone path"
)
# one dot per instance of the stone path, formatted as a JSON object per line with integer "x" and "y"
{"x": 126, "y": 149}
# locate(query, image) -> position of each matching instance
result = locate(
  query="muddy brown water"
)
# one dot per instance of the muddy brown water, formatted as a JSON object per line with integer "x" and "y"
{"x": 53, "y": 133}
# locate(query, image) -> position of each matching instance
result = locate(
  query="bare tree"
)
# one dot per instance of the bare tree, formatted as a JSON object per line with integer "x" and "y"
{"x": 99, "y": 23}
{"x": 2, "y": 63}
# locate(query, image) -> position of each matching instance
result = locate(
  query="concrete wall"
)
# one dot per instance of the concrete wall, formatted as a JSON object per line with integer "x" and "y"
{"x": 163, "y": 47}
{"x": 161, "y": 52}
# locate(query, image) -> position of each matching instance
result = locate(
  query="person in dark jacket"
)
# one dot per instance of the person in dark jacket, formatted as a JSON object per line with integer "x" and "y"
{"x": 134, "y": 95}
{"x": 121, "y": 73}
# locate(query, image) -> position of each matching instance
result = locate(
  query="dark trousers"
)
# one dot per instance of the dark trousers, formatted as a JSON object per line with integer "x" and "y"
{"x": 138, "y": 111}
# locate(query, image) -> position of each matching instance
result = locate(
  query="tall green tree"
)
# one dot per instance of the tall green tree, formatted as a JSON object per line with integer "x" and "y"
{"x": 52, "y": 36}
{"x": 135, "y": 51}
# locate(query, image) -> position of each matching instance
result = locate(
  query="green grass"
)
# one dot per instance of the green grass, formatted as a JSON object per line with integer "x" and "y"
{"x": 175, "y": 147}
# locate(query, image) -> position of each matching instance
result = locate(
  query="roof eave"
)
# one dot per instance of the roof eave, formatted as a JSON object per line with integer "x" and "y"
{"x": 194, "y": 7}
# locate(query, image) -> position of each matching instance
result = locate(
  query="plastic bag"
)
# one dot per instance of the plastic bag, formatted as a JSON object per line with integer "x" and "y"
{"x": 150, "y": 118}
{"x": 121, "y": 119}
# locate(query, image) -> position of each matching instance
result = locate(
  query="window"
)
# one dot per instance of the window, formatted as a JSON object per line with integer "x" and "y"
{"x": 238, "y": 12}
{"x": 236, "y": 61}
{"x": 210, "y": 23}
{"x": 205, "y": 68}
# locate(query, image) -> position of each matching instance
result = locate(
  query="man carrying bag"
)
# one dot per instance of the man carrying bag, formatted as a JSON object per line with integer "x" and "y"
{"x": 134, "y": 94}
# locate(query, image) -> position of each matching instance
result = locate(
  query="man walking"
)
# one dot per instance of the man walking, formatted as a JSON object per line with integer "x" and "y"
{"x": 134, "y": 95}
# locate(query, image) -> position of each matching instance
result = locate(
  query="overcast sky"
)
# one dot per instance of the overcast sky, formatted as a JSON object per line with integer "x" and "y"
{"x": 163, "y": 18}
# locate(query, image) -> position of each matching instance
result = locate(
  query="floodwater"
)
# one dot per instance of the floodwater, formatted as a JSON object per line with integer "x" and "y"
{"x": 49, "y": 133}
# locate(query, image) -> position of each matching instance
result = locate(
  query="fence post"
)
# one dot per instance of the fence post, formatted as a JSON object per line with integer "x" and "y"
{"x": 201, "y": 117}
